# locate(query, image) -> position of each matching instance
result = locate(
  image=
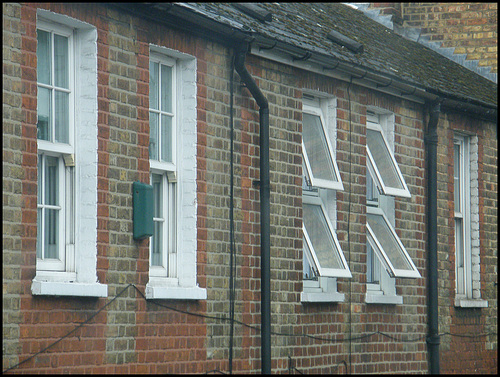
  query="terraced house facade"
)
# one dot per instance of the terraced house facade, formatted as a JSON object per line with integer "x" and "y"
{"x": 285, "y": 188}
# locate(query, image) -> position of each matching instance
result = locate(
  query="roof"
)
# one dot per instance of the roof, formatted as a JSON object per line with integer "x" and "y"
{"x": 306, "y": 26}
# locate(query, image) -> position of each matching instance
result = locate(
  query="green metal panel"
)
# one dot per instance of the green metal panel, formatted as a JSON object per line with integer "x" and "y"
{"x": 143, "y": 210}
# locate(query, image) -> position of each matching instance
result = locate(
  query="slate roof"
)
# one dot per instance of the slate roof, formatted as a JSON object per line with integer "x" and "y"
{"x": 306, "y": 25}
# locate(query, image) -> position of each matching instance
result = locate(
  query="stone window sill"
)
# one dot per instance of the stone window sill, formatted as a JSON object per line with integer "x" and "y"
{"x": 51, "y": 288}
{"x": 470, "y": 303}
{"x": 175, "y": 293}
{"x": 383, "y": 299}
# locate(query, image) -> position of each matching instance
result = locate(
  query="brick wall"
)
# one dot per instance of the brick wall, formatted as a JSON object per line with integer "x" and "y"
{"x": 468, "y": 28}
{"x": 459, "y": 354}
{"x": 135, "y": 336}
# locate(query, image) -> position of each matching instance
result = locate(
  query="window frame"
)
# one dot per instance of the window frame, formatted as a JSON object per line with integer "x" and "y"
{"x": 463, "y": 281}
{"x": 373, "y": 123}
{"x": 319, "y": 182}
{"x": 80, "y": 162}
{"x": 65, "y": 154}
{"x": 178, "y": 281}
{"x": 322, "y": 271}
{"x": 380, "y": 252}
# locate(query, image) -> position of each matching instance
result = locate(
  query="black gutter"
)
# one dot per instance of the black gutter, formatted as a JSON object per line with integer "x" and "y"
{"x": 265, "y": 218}
{"x": 431, "y": 143}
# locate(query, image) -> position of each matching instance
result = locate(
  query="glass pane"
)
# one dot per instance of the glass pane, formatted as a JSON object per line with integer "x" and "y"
{"x": 308, "y": 269}
{"x": 386, "y": 239}
{"x": 459, "y": 243}
{"x": 62, "y": 117}
{"x": 166, "y": 88}
{"x": 321, "y": 239}
{"x": 61, "y": 61}
{"x": 372, "y": 266}
{"x": 157, "y": 195}
{"x": 44, "y": 110}
{"x": 153, "y": 136}
{"x": 51, "y": 247}
{"x": 51, "y": 180}
{"x": 39, "y": 178}
{"x": 166, "y": 138}
{"x": 456, "y": 177}
{"x": 39, "y": 233}
{"x": 153, "y": 85}
{"x": 383, "y": 160}
{"x": 316, "y": 148}
{"x": 156, "y": 244}
{"x": 44, "y": 68}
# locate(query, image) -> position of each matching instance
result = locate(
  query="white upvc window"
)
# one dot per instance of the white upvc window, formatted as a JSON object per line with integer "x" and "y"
{"x": 466, "y": 214}
{"x": 172, "y": 158}
{"x": 323, "y": 253}
{"x": 387, "y": 257}
{"x": 323, "y": 258}
{"x": 55, "y": 130}
{"x": 319, "y": 158}
{"x": 67, "y": 156}
{"x": 381, "y": 162}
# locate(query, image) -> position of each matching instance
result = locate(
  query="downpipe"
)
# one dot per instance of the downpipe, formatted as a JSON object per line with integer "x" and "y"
{"x": 265, "y": 217}
{"x": 431, "y": 143}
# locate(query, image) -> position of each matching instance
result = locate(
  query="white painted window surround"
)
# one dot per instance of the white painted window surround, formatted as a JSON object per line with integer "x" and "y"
{"x": 183, "y": 285}
{"x": 81, "y": 280}
{"x": 466, "y": 198}
{"x": 324, "y": 288}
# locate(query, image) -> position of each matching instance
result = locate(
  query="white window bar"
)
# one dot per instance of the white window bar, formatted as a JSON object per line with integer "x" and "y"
{"x": 317, "y": 151}
{"x": 387, "y": 245}
{"x": 381, "y": 162}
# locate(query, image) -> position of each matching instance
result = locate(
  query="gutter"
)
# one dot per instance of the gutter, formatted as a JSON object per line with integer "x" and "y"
{"x": 431, "y": 144}
{"x": 265, "y": 229}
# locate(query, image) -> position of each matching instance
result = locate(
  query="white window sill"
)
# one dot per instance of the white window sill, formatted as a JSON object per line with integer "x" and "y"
{"x": 175, "y": 293}
{"x": 51, "y": 288}
{"x": 372, "y": 298}
{"x": 321, "y": 297}
{"x": 470, "y": 303}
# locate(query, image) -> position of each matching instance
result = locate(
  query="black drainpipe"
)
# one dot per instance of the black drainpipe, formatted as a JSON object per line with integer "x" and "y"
{"x": 431, "y": 142}
{"x": 265, "y": 230}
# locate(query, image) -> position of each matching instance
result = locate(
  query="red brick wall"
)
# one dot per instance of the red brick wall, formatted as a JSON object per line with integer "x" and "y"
{"x": 469, "y": 28}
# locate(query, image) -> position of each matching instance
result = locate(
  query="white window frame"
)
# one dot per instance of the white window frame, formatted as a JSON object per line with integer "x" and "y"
{"x": 467, "y": 279}
{"x": 322, "y": 288}
{"x": 79, "y": 161}
{"x": 383, "y": 292}
{"x": 381, "y": 253}
{"x": 176, "y": 279}
{"x": 318, "y": 182}
{"x": 373, "y": 123}
{"x": 327, "y": 272}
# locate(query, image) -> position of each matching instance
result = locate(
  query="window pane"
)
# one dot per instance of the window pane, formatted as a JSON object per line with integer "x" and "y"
{"x": 308, "y": 265}
{"x": 44, "y": 110}
{"x": 383, "y": 160}
{"x": 51, "y": 180}
{"x": 153, "y": 85}
{"x": 321, "y": 239}
{"x": 51, "y": 246}
{"x": 456, "y": 178}
{"x": 43, "y": 57}
{"x": 316, "y": 147}
{"x": 61, "y": 61}
{"x": 153, "y": 136}
{"x": 459, "y": 242}
{"x": 39, "y": 233}
{"x": 166, "y": 88}
{"x": 386, "y": 239}
{"x": 62, "y": 117}
{"x": 166, "y": 138}
{"x": 156, "y": 241}
{"x": 372, "y": 266}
